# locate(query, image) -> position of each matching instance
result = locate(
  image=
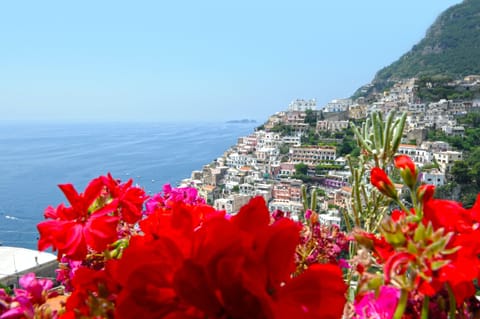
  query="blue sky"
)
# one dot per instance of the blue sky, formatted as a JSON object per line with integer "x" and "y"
{"x": 195, "y": 60}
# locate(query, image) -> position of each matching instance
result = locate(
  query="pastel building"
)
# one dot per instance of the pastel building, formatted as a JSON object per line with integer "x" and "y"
{"x": 312, "y": 155}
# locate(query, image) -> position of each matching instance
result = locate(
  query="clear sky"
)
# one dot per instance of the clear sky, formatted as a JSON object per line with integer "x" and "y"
{"x": 195, "y": 60}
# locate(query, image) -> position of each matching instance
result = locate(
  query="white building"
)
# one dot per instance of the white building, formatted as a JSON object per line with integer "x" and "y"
{"x": 331, "y": 218}
{"x": 237, "y": 160}
{"x": 16, "y": 262}
{"x": 302, "y": 105}
{"x": 295, "y": 208}
{"x": 232, "y": 203}
{"x": 447, "y": 159}
{"x": 295, "y": 140}
{"x": 418, "y": 155}
{"x": 433, "y": 177}
{"x": 338, "y": 105}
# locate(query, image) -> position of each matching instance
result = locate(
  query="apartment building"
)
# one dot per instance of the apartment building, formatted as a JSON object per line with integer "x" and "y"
{"x": 331, "y": 126}
{"x": 447, "y": 159}
{"x": 312, "y": 155}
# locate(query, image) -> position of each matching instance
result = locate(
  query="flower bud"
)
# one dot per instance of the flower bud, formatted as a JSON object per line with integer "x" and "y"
{"x": 425, "y": 192}
{"x": 382, "y": 182}
{"x": 408, "y": 170}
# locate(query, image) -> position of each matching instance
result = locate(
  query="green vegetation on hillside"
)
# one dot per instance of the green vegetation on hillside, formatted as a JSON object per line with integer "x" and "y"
{"x": 465, "y": 174}
{"x": 451, "y": 47}
{"x": 437, "y": 87}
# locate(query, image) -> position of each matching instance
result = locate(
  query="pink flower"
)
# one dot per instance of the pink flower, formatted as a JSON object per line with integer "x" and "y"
{"x": 187, "y": 195}
{"x": 36, "y": 289}
{"x": 23, "y": 303}
{"x": 383, "y": 307}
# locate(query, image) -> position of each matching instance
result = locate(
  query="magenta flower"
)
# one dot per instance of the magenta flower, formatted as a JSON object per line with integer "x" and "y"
{"x": 21, "y": 305}
{"x": 383, "y": 307}
{"x": 187, "y": 195}
{"x": 36, "y": 289}
{"x": 20, "y": 308}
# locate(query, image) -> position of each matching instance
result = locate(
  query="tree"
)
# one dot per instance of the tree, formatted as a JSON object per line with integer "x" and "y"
{"x": 284, "y": 148}
{"x": 301, "y": 169}
{"x": 461, "y": 173}
{"x": 475, "y": 174}
{"x": 311, "y": 117}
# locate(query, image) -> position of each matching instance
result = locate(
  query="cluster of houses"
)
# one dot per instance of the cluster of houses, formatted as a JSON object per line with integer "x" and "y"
{"x": 263, "y": 163}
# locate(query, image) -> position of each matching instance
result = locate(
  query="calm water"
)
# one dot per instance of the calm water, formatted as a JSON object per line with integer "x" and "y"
{"x": 34, "y": 158}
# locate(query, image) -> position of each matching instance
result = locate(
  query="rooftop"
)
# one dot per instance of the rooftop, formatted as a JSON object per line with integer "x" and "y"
{"x": 14, "y": 260}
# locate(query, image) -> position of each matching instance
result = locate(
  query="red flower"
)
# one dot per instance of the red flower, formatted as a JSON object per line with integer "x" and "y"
{"x": 73, "y": 230}
{"x": 129, "y": 199}
{"x": 447, "y": 214}
{"x": 408, "y": 170}
{"x": 381, "y": 248}
{"x": 89, "y": 286}
{"x": 382, "y": 182}
{"x": 425, "y": 192}
{"x": 219, "y": 268}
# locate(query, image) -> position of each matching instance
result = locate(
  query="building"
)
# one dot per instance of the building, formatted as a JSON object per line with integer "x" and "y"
{"x": 418, "y": 155}
{"x": 447, "y": 159}
{"x": 338, "y": 105}
{"x": 16, "y": 262}
{"x": 312, "y": 155}
{"x": 295, "y": 209}
{"x": 433, "y": 177}
{"x": 232, "y": 203}
{"x": 302, "y": 105}
{"x": 288, "y": 189}
{"x": 332, "y": 126}
{"x": 343, "y": 196}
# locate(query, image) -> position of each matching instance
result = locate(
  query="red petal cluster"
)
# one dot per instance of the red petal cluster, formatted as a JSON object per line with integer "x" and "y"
{"x": 193, "y": 262}
{"x": 464, "y": 266}
{"x": 408, "y": 170}
{"x": 91, "y": 222}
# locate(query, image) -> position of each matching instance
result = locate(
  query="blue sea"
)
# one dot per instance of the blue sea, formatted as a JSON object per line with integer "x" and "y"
{"x": 36, "y": 157}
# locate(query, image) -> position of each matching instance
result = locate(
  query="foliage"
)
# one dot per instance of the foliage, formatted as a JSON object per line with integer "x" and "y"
{"x": 283, "y": 149}
{"x": 311, "y": 137}
{"x": 466, "y": 173}
{"x": 321, "y": 169}
{"x": 416, "y": 251}
{"x": 283, "y": 129}
{"x": 449, "y": 47}
{"x": 435, "y": 88}
{"x": 301, "y": 168}
{"x": 379, "y": 141}
{"x": 311, "y": 118}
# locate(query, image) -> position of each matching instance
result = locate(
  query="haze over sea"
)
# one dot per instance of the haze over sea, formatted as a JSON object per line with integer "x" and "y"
{"x": 36, "y": 157}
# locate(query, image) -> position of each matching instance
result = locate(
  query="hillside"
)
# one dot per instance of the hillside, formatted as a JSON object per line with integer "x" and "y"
{"x": 451, "y": 47}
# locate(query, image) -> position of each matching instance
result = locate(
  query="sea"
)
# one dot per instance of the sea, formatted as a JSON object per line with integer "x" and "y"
{"x": 37, "y": 156}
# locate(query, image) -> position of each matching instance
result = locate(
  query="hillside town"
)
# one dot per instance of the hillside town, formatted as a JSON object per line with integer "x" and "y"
{"x": 280, "y": 156}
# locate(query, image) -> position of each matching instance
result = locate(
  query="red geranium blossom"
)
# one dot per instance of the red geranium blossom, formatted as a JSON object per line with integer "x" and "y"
{"x": 73, "y": 230}
{"x": 407, "y": 168}
{"x": 222, "y": 268}
{"x": 128, "y": 198}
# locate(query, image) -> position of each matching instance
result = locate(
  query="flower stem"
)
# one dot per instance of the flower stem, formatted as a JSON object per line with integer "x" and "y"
{"x": 426, "y": 301}
{"x": 452, "y": 302}
{"x": 402, "y": 205}
{"x": 402, "y": 304}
